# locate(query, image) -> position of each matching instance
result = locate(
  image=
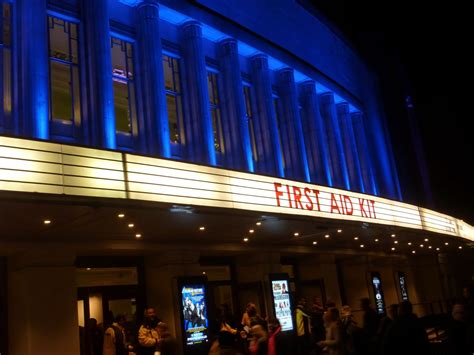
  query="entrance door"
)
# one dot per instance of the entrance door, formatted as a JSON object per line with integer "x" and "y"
{"x": 103, "y": 294}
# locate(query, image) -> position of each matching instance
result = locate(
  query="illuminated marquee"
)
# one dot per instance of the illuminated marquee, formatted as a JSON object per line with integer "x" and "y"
{"x": 51, "y": 168}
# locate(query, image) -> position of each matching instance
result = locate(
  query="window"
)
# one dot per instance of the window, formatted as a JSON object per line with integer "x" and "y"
{"x": 276, "y": 106}
{"x": 5, "y": 65}
{"x": 64, "y": 71}
{"x": 215, "y": 111}
{"x": 124, "y": 87}
{"x": 174, "y": 103}
{"x": 249, "y": 117}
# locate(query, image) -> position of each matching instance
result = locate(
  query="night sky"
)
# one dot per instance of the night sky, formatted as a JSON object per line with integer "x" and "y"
{"x": 420, "y": 51}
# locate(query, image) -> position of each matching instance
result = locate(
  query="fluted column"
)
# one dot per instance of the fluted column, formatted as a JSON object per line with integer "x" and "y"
{"x": 101, "y": 117}
{"x": 269, "y": 154}
{"x": 238, "y": 151}
{"x": 290, "y": 127}
{"x": 314, "y": 135}
{"x": 350, "y": 148}
{"x": 153, "y": 83}
{"x": 339, "y": 173}
{"x": 200, "y": 137}
{"x": 33, "y": 51}
{"x": 364, "y": 156}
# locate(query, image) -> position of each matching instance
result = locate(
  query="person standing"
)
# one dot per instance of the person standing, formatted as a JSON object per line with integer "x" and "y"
{"x": 167, "y": 345}
{"x": 115, "y": 342}
{"x": 334, "y": 342}
{"x": 303, "y": 330}
{"x": 147, "y": 334}
{"x": 277, "y": 340}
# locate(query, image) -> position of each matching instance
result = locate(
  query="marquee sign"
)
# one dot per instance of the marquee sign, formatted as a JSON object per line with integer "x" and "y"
{"x": 44, "y": 167}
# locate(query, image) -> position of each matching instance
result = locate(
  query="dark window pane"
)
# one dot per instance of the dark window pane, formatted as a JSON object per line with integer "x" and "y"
{"x": 74, "y": 54}
{"x": 176, "y": 75}
{"x": 6, "y": 35}
{"x": 171, "y": 105}
{"x": 168, "y": 73}
{"x": 58, "y": 39}
{"x": 76, "y": 95}
{"x": 61, "y": 98}
{"x": 7, "y": 81}
{"x": 119, "y": 67}
{"x": 121, "y": 107}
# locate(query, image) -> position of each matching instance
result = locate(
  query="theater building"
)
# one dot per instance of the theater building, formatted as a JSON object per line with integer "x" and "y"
{"x": 146, "y": 141}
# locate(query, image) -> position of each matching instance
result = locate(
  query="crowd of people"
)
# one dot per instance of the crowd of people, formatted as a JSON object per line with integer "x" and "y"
{"x": 318, "y": 329}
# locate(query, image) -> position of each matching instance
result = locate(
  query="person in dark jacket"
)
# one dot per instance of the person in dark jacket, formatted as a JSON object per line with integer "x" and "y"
{"x": 278, "y": 342}
{"x": 458, "y": 334}
{"x": 406, "y": 335}
{"x": 167, "y": 344}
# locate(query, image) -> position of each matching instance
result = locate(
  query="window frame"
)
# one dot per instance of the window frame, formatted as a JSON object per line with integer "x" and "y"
{"x": 249, "y": 105}
{"x": 66, "y": 130}
{"x": 6, "y": 119}
{"x": 217, "y": 107}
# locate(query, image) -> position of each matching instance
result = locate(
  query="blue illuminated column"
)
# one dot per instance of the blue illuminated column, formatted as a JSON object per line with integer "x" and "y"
{"x": 290, "y": 127}
{"x": 350, "y": 148}
{"x": 265, "y": 121}
{"x": 199, "y": 133}
{"x": 101, "y": 117}
{"x": 339, "y": 173}
{"x": 314, "y": 135}
{"x": 153, "y": 84}
{"x": 238, "y": 151}
{"x": 33, "y": 51}
{"x": 364, "y": 156}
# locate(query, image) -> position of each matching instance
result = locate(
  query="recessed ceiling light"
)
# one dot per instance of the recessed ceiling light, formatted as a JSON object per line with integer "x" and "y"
{"x": 393, "y": 235}
{"x": 460, "y": 247}
{"x": 202, "y": 228}
{"x": 446, "y": 243}
{"x": 393, "y": 248}
{"x": 326, "y": 236}
{"x": 251, "y": 231}
{"x": 204, "y": 273}
{"x": 356, "y": 238}
{"x": 314, "y": 243}
{"x": 88, "y": 269}
{"x": 376, "y": 240}
{"x": 437, "y": 249}
{"x": 246, "y": 239}
{"x": 421, "y": 245}
{"x": 131, "y": 225}
{"x": 413, "y": 252}
{"x": 395, "y": 242}
{"x": 339, "y": 230}
{"x": 429, "y": 246}
{"x": 426, "y": 239}
{"x": 121, "y": 215}
{"x": 138, "y": 235}
{"x": 296, "y": 234}
{"x": 409, "y": 243}
{"x": 362, "y": 245}
{"x": 258, "y": 223}
{"x": 47, "y": 221}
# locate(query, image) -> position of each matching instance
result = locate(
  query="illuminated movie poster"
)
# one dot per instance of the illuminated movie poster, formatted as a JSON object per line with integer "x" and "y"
{"x": 281, "y": 301}
{"x": 193, "y": 298}
{"x": 378, "y": 293}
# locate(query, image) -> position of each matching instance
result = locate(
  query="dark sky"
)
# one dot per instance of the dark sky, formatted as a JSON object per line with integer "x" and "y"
{"x": 421, "y": 51}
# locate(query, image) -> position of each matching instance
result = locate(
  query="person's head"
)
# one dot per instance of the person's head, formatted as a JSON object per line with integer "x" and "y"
{"x": 120, "y": 319}
{"x": 346, "y": 311}
{"x": 251, "y": 309}
{"x": 330, "y": 304}
{"x": 317, "y": 300}
{"x": 92, "y": 323}
{"x": 273, "y": 324}
{"x": 162, "y": 330}
{"x": 405, "y": 308}
{"x": 109, "y": 318}
{"x": 331, "y": 315}
{"x": 458, "y": 312}
{"x": 467, "y": 292}
{"x": 150, "y": 317}
{"x": 392, "y": 311}
{"x": 365, "y": 303}
{"x": 283, "y": 286}
{"x": 302, "y": 301}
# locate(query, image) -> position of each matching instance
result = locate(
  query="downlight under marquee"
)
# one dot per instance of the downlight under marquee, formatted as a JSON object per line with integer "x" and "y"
{"x": 51, "y": 168}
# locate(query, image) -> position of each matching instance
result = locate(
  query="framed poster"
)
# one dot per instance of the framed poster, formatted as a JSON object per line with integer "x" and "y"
{"x": 193, "y": 307}
{"x": 402, "y": 283}
{"x": 376, "y": 282}
{"x": 282, "y": 301}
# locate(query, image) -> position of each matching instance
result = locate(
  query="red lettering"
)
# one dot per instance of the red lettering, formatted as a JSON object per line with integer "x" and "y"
{"x": 363, "y": 212}
{"x": 289, "y": 195}
{"x": 278, "y": 193}
{"x": 342, "y": 205}
{"x": 334, "y": 205}
{"x": 309, "y": 206}
{"x": 372, "y": 202}
{"x": 297, "y": 195}
{"x": 350, "y": 207}
{"x": 316, "y": 195}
